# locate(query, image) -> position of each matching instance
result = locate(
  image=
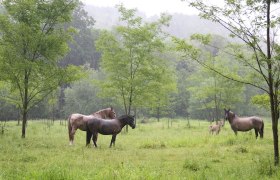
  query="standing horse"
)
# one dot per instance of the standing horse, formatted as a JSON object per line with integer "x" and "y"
{"x": 113, "y": 127}
{"x": 78, "y": 121}
{"x": 216, "y": 127}
{"x": 245, "y": 123}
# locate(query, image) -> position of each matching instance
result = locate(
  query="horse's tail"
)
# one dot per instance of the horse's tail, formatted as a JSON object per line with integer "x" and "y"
{"x": 69, "y": 127}
{"x": 261, "y": 131}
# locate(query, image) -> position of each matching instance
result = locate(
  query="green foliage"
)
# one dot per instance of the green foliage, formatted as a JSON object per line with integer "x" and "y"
{"x": 33, "y": 40}
{"x": 204, "y": 39}
{"x": 83, "y": 96}
{"x": 131, "y": 60}
{"x": 82, "y": 49}
{"x": 261, "y": 100}
{"x": 257, "y": 55}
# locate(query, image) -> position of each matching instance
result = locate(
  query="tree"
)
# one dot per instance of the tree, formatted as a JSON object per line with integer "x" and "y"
{"x": 82, "y": 50}
{"x": 83, "y": 97}
{"x": 131, "y": 60}
{"x": 253, "y": 23}
{"x": 211, "y": 92}
{"x": 32, "y": 41}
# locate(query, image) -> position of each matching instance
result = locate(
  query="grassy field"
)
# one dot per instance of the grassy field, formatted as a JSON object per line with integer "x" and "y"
{"x": 150, "y": 151}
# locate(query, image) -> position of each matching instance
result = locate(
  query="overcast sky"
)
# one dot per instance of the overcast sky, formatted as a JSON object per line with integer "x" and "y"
{"x": 150, "y": 7}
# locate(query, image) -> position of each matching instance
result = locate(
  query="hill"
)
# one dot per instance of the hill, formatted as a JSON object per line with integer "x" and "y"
{"x": 181, "y": 25}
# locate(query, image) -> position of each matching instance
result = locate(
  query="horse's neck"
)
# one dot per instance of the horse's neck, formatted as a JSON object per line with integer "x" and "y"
{"x": 122, "y": 122}
{"x": 233, "y": 118}
{"x": 100, "y": 114}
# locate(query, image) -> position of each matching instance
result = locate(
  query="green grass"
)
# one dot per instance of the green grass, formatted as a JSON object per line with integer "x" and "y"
{"x": 150, "y": 151}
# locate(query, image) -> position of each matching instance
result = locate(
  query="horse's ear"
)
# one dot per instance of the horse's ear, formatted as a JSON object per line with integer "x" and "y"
{"x": 111, "y": 108}
{"x": 225, "y": 109}
{"x": 228, "y": 109}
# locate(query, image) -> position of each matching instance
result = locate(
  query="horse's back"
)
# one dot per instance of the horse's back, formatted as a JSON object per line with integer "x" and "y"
{"x": 79, "y": 120}
{"x": 248, "y": 123}
{"x": 104, "y": 126}
{"x": 257, "y": 121}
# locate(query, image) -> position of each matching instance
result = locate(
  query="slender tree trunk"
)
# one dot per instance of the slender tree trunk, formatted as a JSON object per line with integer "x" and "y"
{"x": 24, "y": 116}
{"x": 24, "y": 121}
{"x": 273, "y": 100}
{"x": 25, "y": 103}
{"x": 19, "y": 116}
{"x": 275, "y": 116}
{"x": 158, "y": 113}
{"x": 61, "y": 101}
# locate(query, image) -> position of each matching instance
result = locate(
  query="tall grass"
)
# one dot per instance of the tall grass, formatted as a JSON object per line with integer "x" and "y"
{"x": 154, "y": 150}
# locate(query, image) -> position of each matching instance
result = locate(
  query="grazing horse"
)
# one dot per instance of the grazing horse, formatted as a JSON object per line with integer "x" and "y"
{"x": 216, "y": 127}
{"x": 78, "y": 121}
{"x": 244, "y": 123}
{"x": 113, "y": 127}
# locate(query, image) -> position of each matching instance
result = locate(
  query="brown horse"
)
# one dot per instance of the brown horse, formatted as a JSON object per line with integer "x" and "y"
{"x": 113, "y": 127}
{"x": 78, "y": 121}
{"x": 245, "y": 123}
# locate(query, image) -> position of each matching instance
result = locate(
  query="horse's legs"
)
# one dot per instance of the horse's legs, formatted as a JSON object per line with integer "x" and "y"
{"x": 218, "y": 131}
{"x": 235, "y": 132}
{"x": 256, "y": 133}
{"x": 94, "y": 138}
{"x": 261, "y": 131}
{"x": 113, "y": 140}
{"x": 89, "y": 134}
{"x": 71, "y": 135}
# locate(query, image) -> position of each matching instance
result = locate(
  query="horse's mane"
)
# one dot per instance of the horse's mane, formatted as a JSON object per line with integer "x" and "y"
{"x": 124, "y": 116}
{"x": 100, "y": 111}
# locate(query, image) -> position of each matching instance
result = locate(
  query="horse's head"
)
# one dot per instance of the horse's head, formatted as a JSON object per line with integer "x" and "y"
{"x": 111, "y": 113}
{"x": 128, "y": 119}
{"x": 229, "y": 115}
{"x": 108, "y": 113}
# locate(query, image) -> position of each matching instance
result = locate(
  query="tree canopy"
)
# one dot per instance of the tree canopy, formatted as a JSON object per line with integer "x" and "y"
{"x": 131, "y": 60}
{"x": 33, "y": 40}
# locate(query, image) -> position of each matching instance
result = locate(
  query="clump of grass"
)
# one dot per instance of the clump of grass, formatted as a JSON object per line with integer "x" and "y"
{"x": 230, "y": 142}
{"x": 241, "y": 150}
{"x": 216, "y": 160}
{"x": 28, "y": 159}
{"x": 153, "y": 145}
{"x": 191, "y": 165}
{"x": 194, "y": 165}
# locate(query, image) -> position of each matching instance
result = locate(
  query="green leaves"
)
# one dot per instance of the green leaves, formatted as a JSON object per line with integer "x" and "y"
{"x": 131, "y": 61}
{"x": 33, "y": 39}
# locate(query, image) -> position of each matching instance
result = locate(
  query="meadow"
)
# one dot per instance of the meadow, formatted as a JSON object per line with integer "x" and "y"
{"x": 152, "y": 150}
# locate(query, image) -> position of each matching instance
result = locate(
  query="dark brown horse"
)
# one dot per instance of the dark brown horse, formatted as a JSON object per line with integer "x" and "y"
{"x": 78, "y": 121}
{"x": 113, "y": 127}
{"x": 244, "y": 123}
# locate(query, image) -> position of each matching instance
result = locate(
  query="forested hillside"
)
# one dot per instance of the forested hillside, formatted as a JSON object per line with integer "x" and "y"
{"x": 186, "y": 90}
{"x": 180, "y": 25}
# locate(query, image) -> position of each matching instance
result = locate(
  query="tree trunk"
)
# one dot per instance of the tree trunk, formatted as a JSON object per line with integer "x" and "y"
{"x": 275, "y": 140}
{"x": 19, "y": 117}
{"x": 274, "y": 117}
{"x": 25, "y": 103}
{"x": 24, "y": 121}
{"x": 273, "y": 99}
{"x": 61, "y": 101}
{"x": 158, "y": 113}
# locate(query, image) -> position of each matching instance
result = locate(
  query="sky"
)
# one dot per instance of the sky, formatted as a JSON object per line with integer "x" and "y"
{"x": 150, "y": 7}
